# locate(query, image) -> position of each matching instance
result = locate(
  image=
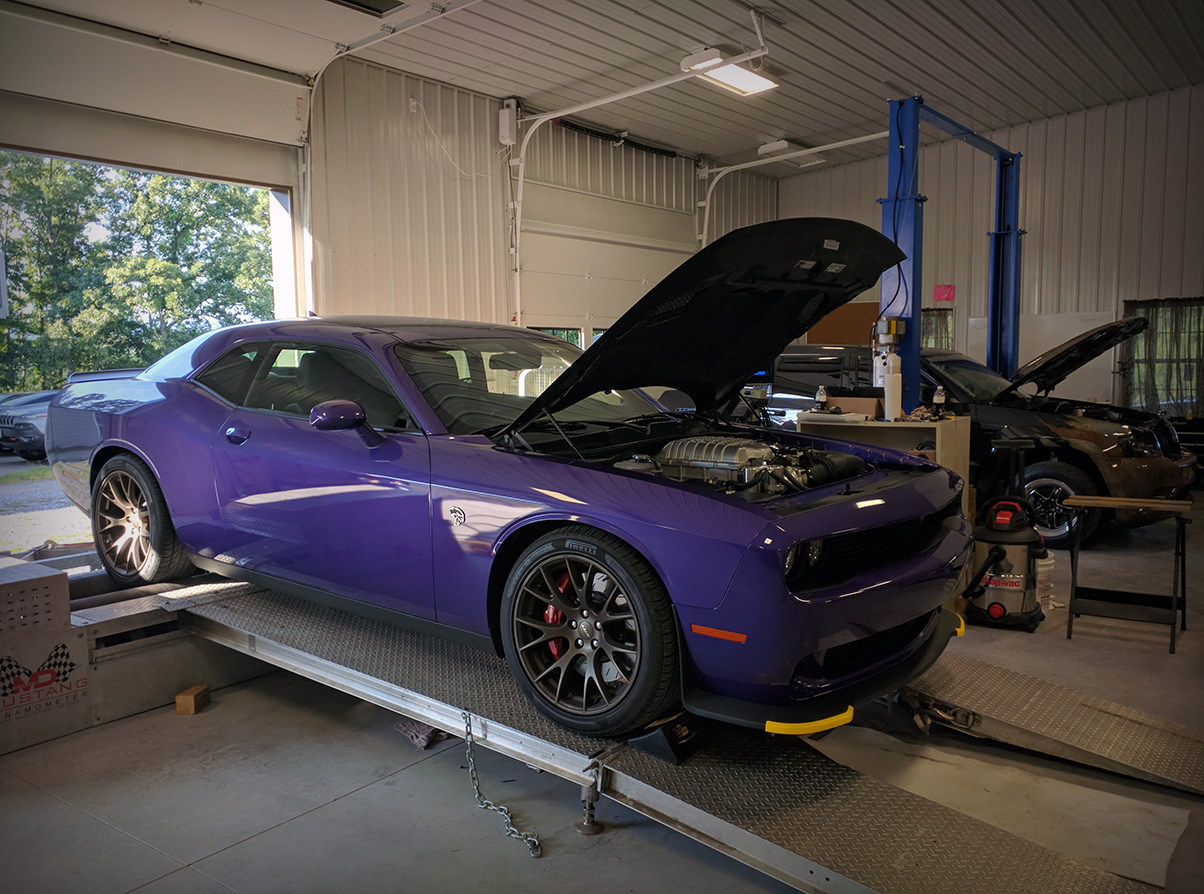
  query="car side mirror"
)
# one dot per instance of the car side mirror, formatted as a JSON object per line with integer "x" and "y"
{"x": 344, "y": 415}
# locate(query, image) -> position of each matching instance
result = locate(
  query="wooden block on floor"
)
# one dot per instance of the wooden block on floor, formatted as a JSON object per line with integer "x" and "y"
{"x": 192, "y": 700}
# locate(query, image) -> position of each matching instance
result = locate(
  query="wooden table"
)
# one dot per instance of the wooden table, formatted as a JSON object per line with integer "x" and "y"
{"x": 1126, "y": 605}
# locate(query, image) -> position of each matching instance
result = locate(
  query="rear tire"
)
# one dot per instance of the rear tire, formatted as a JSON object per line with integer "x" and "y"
{"x": 1046, "y": 485}
{"x": 131, "y": 527}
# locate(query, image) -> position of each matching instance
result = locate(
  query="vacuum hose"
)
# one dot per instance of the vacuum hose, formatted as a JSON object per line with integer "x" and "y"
{"x": 975, "y": 589}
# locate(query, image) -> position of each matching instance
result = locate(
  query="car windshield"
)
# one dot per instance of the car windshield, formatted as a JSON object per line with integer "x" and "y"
{"x": 475, "y": 385}
{"x": 980, "y": 382}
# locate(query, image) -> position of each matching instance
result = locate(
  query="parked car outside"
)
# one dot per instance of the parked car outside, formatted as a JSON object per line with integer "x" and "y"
{"x": 23, "y": 424}
{"x": 1081, "y": 447}
{"x": 7, "y": 400}
{"x": 495, "y": 484}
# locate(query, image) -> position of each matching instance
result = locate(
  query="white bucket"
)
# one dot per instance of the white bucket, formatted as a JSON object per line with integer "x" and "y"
{"x": 1045, "y": 581}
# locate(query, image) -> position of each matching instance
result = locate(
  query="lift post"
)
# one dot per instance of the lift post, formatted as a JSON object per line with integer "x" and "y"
{"x": 902, "y": 219}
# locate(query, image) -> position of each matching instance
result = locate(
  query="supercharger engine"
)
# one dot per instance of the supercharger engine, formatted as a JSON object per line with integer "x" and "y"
{"x": 742, "y": 464}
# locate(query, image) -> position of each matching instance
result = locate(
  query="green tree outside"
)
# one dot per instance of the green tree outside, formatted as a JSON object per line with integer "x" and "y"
{"x": 45, "y": 206}
{"x": 114, "y": 268}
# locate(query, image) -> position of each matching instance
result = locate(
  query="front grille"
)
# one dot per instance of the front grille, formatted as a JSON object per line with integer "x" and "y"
{"x": 7, "y": 421}
{"x": 844, "y": 664}
{"x": 844, "y": 555}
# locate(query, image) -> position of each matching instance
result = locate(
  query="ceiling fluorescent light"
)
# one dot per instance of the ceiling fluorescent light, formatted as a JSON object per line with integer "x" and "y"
{"x": 806, "y": 161}
{"x": 708, "y": 63}
{"x": 738, "y": 80}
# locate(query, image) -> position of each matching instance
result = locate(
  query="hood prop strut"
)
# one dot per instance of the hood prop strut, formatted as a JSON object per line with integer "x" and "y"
{"x": 516, "y": 435}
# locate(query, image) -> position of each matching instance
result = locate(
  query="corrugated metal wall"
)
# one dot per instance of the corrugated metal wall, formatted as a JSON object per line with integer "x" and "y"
{"x": 410, "y": 207}
{"x": 409, "y": 212}
{"x": 604, "y": 221}
{"x": 740, "y": 199}
{"x": 1111, "y": 201}
{"x": 557, "y": 156}
{"x": 568, "y": 159}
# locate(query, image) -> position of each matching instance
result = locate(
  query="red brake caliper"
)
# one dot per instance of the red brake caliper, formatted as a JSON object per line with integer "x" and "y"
{"x": 553, "y": 615}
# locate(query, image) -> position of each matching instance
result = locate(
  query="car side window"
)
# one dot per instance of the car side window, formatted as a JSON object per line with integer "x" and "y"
{"x": 230, "y": 375}
{"x": 292, "y": 378}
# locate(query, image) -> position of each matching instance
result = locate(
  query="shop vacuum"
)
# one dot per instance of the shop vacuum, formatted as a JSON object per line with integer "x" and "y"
{"x": 1007, "y": 548}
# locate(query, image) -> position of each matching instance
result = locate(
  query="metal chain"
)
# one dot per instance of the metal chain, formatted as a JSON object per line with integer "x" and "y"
{"x": 528, "y": 838}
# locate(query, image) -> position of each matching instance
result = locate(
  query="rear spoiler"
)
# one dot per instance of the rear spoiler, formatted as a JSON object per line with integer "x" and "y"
{"x": 101, "y": 375}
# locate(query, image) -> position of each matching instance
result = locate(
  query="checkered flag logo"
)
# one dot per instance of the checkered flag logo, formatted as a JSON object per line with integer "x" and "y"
{"x": 59, "y": 661}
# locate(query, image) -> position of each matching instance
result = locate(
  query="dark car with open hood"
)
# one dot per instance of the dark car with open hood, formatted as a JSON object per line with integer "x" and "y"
{"x": 1079, "y": 447}
{"x": 494, "y": 484}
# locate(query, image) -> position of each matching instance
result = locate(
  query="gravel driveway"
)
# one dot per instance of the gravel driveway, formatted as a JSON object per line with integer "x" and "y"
{"x": 31, "y": 496}
{"x": 32, "y": 512}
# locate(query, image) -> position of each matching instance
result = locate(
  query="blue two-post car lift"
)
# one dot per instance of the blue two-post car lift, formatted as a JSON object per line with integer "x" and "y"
{"x": 903, "y": 221}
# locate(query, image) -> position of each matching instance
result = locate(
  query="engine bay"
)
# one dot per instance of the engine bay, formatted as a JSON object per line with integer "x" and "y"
{"x": 745, "y": 465}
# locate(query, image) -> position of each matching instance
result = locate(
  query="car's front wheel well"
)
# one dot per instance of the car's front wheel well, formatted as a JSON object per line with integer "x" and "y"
{"x": 1075, "y": 458}
{"x": 508, "y": 554}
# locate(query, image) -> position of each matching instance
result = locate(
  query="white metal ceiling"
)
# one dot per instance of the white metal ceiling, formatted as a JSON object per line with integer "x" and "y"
{"x": 989, "y": 64}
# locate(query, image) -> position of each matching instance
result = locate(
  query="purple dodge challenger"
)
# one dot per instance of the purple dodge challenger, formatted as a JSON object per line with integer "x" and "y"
{"x": 494, "y": 484}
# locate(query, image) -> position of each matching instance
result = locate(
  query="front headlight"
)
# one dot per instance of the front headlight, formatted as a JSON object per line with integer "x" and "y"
{"x": 803, "y": 556}
{"x": 1140, "y": 442}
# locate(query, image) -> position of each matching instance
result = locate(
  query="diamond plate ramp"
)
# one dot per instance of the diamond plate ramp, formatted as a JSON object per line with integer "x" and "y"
{"x": 771, "y": 802}
{"x": 424, "y": 677}
{"x": 1051, "y": 719}
{"x": 790, "y": 807}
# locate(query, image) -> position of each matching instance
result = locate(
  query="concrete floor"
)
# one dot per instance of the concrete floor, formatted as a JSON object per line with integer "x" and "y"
{"x": 283, "y": 785}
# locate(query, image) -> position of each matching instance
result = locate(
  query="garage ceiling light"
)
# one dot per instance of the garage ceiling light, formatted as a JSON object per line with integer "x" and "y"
{"x": 372, "y": 7}
{"x": 708, "y": 62}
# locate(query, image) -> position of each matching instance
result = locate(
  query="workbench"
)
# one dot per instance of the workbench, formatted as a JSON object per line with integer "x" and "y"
{"x": 1127, "y": 605}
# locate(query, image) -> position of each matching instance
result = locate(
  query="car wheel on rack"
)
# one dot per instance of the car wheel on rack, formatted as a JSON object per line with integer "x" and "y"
{"x": 133, "y": 532}
{"x": 1046, "y": 485}
{"x": 589, "y": 633}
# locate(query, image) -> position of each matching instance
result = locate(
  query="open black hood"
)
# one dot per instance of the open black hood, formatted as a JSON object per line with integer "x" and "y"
{"x": 727, "y": 312}
{"x": 1050, "y": 368}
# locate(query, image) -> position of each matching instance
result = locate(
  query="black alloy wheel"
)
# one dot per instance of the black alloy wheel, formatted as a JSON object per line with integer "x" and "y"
{"x": 1046, "y": 485}
{"x": 589, "y": 632}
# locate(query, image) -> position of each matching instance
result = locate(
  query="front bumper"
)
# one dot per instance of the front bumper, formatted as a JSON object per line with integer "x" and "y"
{"x": 832, "y": 709}
{"x": 24, "y": 438}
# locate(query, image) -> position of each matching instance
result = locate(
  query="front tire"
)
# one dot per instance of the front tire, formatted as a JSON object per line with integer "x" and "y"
{"x": 131, "y": 527}
{"x": 589, "y": 633}
{"x": 1046, "y": 485}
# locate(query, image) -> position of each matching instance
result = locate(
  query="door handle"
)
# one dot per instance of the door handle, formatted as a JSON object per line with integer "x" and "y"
{"x": 236, "y": 434}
